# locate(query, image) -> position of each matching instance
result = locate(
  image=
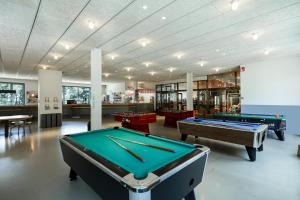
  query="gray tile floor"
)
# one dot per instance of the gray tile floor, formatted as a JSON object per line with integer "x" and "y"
{"x": 31, "y": 168}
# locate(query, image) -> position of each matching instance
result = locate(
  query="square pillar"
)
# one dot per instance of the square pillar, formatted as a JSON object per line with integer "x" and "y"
{"x": 49, "y": 98}
{"x": 189, "y": 91}
{"x": 96, "y": 89}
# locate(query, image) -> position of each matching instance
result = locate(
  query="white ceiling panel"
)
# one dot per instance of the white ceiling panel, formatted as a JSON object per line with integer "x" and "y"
{"x": 123, "y": 22}
{"x": 237, "y": 29}
{"x": 98, "y": 12}
{"x": 14, "y": 30}
{"x": 52, "y": 20}
{"x": 196, "y": 28}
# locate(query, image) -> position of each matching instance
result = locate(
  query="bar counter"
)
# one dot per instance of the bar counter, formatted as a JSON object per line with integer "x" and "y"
{"x": 79, "y": 110}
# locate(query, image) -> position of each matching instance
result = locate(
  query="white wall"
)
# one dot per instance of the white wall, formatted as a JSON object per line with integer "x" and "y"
{"x": 272, "y": 87}
{"x": 49, "y": 86}
{"x": 275, "y": 81}
{"x": 114, "y": 87}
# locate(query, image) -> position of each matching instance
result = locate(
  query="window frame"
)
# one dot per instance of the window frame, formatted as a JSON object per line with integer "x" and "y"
{"x": 77, "y": 93}
{"x": 11, "y": 88}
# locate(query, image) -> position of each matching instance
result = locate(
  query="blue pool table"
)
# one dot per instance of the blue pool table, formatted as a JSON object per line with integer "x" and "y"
{"x": 277, "y": 123}
{"x": 116, "y": 174}
{"x": 251, "y": 135}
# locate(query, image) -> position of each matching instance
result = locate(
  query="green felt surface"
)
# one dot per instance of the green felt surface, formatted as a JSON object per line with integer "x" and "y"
{"x": 97, "y": 142}
{"x": 253, "y": 116}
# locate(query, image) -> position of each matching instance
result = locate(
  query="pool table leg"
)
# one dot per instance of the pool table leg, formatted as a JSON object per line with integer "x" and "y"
{"x": 73, "y": 175}
{"x": 6, "y": 128}
{"x": 190, "y": 196}
{"x": 261, "y": 148}
{"x": 252, "y": 153}
{"x": 280, "y": 135}
{"x": 183, "y": 137}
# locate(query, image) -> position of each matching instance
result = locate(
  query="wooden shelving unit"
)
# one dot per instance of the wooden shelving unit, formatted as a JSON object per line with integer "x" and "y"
{"x": 219, "y": 93}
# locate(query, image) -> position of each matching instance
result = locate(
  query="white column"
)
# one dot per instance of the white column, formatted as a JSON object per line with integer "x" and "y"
{"x": 189, "y": 91}
{"x": 96, "y": 89}
{"x": 49, "y": 93}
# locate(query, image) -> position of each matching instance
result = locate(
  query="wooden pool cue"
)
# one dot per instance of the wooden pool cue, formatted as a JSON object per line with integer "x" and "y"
{"x": 144, "y": 144}
{"x": 126, "y": 149}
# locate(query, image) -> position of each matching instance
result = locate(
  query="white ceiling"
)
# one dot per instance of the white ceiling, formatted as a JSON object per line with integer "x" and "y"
{"x": 32, "y": 32}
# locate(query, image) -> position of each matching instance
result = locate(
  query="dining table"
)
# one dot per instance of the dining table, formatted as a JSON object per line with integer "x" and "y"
{"x": 7, "y": 119}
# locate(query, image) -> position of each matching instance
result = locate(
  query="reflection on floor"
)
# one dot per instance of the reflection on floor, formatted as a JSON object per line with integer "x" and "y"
{"x": 31, "y": 167}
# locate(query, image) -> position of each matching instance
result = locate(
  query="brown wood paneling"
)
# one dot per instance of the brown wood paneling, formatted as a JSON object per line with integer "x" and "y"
{"x": 247, "y": 138}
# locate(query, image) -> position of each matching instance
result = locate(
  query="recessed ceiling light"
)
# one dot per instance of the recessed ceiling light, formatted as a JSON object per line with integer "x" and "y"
{"x": 224, "y": 54}
{"x": 254, "y": 36}
{"x": 67, "y": 47}
{"x": 147, "y": 64}
{"x": 91, "y": 25}
{"x": 44, "y": 67}
{"x": 145, "y": 7}
{"x": 163, "y": 18}
{"x": 106, "y": 74}
{"x": 217, "y": 69}
{"x": 171, "y": 69}
{"x": 234, "y": 5}
{"x": 217, "y": 50}
{"x": 55, "y": 57}
{"x": 179, "y": 55}
{"x": 152, "y": 73}
{"x": 128, "y": 68}
{"x": 201, "y": 63}
{"x": 113, "y": 56}
{"x": 129, "y": 77}
{"x": 267, "y": 52}
{"x": 144, "y": 42}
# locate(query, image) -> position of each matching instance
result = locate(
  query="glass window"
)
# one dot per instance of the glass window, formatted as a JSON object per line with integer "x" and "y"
{"x": 74, "y": 94}
{"x": 182, "y": 86}
{"x": 158, "y": 88}
{"x": 12, "y": 93}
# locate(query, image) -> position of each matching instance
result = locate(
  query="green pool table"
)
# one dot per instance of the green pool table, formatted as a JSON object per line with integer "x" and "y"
{"x": 115, "y": 174}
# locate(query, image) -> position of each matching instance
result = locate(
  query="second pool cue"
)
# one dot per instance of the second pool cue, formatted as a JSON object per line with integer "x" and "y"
{"x": 144, "y": 144}
{"x": 126, "y": 149}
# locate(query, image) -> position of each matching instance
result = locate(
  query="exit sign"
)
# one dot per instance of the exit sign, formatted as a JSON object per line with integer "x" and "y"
{"x": 243, "y": 68}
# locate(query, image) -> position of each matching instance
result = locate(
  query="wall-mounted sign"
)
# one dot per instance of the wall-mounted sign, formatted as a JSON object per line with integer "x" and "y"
{"x": 47, "y": 107}
{"x": 243, "y": 68}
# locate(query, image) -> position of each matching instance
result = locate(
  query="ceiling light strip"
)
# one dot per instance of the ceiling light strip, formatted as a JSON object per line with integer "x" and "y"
{"x": 90, "y": 35}
{"x": 68, "y": 28}
{"x": 163, "y": 26}
{"x": 117, "y": 35}
{"x": 219, "y": 29}
{"x": 29, "y": 35}
{"x": 209, "y": 42}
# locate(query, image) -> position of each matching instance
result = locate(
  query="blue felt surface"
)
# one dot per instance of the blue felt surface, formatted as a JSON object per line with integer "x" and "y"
{"x": 229, "y": 124}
